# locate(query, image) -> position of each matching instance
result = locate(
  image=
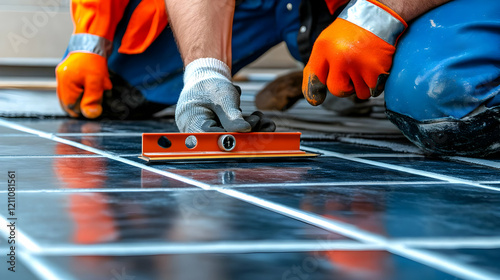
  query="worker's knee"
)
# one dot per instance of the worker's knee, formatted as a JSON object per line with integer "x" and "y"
{"x": 473, "y": 135}
{"x": 442, "y": 68}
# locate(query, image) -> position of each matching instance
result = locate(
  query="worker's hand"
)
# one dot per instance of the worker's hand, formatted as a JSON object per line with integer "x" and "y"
{"x": 353, "y": 54}
{"x": 81, "y": 80}
{"x": 209, "y": 102}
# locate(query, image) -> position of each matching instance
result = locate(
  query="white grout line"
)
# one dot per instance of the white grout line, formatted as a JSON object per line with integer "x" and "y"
{"x": 51, "y": 156}
{"x": 43, "y": 269}
{"x": 21, "y": 237}
{"x": 226, "y": 247}
{"x": 106, "y": 134}
{"x": 386, "y": 155}
{"x": 402, "y": 169}
{"x": 451, "y": 242}
{"x": 65, "y": 156}
{"x": 477, "y": 161}
{"x": 110, "y": 190}
{"x": 331, "y": 184}
{"x": 402, "y": 147}
{"x": 433, "y": 260}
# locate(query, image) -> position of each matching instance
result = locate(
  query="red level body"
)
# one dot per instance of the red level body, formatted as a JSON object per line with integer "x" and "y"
{"x": 221, "y": 145}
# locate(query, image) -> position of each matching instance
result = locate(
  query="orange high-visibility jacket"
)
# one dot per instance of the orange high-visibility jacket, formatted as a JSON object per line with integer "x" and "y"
{"x": 100, "y": 18}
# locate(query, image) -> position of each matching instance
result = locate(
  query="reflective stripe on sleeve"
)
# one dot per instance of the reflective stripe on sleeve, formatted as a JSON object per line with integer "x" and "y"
{"x": 90, "y": 43}
{"x": 374, "y": 19}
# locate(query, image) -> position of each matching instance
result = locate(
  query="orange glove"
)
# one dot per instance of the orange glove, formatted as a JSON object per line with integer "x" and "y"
{"x": 353, "y": 54}
{"x": 83, "y": 75}
{"x": 81, "y": 80}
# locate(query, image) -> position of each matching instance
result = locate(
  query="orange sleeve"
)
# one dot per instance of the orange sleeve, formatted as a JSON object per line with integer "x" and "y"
{"x": 97, "y": 17}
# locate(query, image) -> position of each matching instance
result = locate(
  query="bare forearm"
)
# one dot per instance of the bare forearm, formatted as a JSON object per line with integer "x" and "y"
{"x": 410, "y": 9}
{"x": 202, "y": 28}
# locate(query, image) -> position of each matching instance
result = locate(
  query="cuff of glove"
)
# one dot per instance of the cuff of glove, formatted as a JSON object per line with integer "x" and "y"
{"x": 376, "y": 18}
{"x": 84, "y": 42}
{"x": 206, "y": 68}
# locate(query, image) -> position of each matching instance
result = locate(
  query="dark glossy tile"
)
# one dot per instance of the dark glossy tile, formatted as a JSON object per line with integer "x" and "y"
{"x": 319, "y": 170}
{"x": 122, "y": 145}
{"x": 104, "y": 126}
{"x": 284, "y": 266}
{"x": 57, "y": 219}
{"x": 485, "y": 259}
{"x": 399, "y": 210}
{"x": 345, "y": 148}
{"x": 7, "y": 131}
{"x": 35, "y": 146}
{"x": 82, "y": 173}
{"x": 461, "y": 170}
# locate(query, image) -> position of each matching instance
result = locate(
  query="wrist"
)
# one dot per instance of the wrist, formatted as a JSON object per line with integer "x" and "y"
{"x": 85, "y": 42}
{"x": 206, "y": 68}
{"x": 376, "y": 18}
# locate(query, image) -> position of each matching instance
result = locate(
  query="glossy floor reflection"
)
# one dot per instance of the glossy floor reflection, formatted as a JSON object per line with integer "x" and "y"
{"x": 89, "y": 208}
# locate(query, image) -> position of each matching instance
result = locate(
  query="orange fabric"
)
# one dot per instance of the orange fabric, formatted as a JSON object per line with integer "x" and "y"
{"x": 97, "y": 17}
{"x": 347, "y": 59}
{"x": 81, "y": 81}
{"x": 333, "y": 5}
{"x": 100, "y": 18}
{"x": 147, "y": 22}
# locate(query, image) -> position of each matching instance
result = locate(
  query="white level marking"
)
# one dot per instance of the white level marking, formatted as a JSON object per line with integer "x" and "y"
{"x": 403, "y": 169}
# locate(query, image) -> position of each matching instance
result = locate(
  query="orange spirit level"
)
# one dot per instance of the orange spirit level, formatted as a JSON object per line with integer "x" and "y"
{"x": 221, "y": 145}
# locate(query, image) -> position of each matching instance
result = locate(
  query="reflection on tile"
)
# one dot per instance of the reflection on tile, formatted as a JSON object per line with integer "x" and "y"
{"x": 35, "y": 146}
{"x": 285, "y": 266}
{"x": 82, "y": 173}
{"x": 455, "y": 169}
{"x": 319, "y": 170}
{"x": 399, "y": 210}
{"x": 107, "y": 126}
{"x": 178, "y": 216}
{"x": 486, "y": 259}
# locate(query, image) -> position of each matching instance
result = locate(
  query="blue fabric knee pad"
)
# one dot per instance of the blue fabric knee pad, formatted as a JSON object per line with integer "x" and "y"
{"x": 158, "y": 72}
{"x": 447, "y": 64}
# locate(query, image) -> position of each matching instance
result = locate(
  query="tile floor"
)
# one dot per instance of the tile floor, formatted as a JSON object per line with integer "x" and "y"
{"x": 88, "y": 208}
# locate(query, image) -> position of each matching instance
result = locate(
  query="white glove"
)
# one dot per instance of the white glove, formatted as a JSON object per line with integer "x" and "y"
{"x": 209, "y": 102}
